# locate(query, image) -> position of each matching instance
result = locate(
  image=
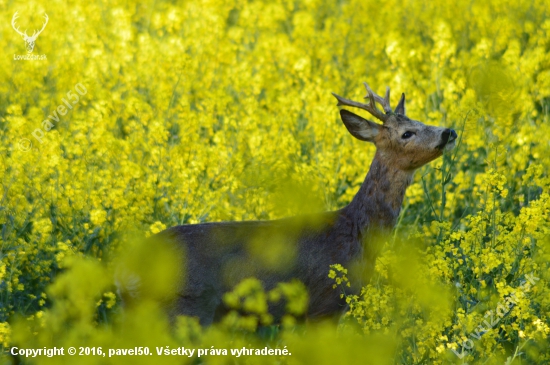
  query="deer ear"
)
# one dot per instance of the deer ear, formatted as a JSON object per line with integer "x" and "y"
{"x": 359, "y": 127}
{"x": 400, "y": 108}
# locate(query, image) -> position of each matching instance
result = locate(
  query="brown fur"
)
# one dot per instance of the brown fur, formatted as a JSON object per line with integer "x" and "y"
{"x": 218, "y": 255}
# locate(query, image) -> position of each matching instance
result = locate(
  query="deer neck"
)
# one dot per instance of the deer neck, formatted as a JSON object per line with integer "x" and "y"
{"x": 378, "y": 202}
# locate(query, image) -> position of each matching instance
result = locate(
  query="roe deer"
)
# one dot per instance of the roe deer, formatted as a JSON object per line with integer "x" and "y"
{"x": 219, "y": 255}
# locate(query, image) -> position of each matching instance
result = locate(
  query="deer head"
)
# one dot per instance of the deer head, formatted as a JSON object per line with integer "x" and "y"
{"x": 29, "y": 41}
{"x": 401, "y": 142}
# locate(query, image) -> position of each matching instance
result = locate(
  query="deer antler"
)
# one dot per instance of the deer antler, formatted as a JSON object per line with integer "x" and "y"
{"x": 24, "y": 35}
{"x": 15, "y": 16}
{"x": 37, "y": 33}
{"x": 371, "y": 107}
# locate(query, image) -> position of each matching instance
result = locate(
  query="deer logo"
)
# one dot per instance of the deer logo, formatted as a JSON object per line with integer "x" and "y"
{"x": 29, "y": 40}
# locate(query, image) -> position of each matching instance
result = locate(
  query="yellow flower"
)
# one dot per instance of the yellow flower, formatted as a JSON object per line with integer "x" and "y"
{"x": 157, "y": 227}
{"x": 98, "y": 217}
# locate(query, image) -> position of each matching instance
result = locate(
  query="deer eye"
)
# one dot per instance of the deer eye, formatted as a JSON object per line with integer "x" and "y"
{"x": 407, "y": 135}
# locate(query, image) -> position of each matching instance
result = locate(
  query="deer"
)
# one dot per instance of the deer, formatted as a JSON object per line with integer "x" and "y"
{"x": 218, "y": 255}
{"x": 29, "y": 41}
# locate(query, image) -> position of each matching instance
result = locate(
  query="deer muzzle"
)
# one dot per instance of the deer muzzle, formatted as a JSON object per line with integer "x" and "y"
{"x": 448, "y": 138}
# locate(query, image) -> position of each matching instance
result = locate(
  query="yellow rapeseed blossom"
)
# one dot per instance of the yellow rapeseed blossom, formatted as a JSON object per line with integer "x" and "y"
{"x": 211, "y": 110}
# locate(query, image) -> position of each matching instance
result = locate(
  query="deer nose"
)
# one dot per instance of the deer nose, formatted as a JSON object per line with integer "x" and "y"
{"x": 453, "y": 134}
{"x": 449, "y": 135}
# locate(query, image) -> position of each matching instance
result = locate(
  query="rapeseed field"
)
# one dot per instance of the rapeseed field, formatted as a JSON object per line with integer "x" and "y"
{"x": 130, "y": 117}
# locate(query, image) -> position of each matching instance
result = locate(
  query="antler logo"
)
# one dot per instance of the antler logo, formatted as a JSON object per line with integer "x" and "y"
{"x": 29, "y": 41}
